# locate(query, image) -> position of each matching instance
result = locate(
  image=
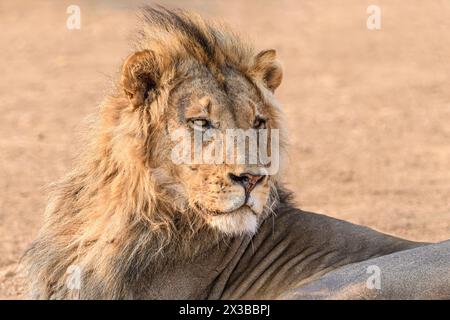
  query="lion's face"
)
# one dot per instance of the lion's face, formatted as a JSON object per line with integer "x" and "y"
{"x": 231, "y": 195}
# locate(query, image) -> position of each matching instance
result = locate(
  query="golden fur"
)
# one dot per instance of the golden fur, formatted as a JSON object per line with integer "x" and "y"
{"x": 126, "y": 210}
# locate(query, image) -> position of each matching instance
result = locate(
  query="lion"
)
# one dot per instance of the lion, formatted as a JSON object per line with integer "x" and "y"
{"x": 135, "y": 225}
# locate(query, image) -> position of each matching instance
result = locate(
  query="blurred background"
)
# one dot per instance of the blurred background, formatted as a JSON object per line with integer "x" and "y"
{"x": 368, "y": 110}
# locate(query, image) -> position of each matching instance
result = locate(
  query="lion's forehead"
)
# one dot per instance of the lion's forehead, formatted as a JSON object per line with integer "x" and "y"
{"x": 234, "y": 97}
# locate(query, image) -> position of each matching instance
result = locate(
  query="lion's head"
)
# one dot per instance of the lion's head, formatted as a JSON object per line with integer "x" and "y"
{"x": 129, "y": 200}
{"x": 193, "y": 76}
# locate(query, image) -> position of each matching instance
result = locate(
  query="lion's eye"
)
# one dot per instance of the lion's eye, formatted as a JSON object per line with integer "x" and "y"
{"x": 199, "y": 124}
{"x": 259, "y": 123}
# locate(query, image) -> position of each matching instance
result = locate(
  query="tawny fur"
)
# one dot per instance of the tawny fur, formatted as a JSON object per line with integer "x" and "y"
{"x": 117, "y": 215}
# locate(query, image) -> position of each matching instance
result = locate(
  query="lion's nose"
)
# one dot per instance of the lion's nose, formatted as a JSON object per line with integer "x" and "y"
{"x": 247, "y": 180}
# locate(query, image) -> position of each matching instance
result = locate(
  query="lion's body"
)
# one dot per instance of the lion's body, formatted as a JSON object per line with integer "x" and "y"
{"x": 289, "y": 251}
{"x": 294, "y": 255}
{"x": 138, "y": 226}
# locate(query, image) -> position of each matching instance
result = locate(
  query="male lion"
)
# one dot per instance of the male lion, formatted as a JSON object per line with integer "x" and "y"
{"x": 132, "y": 224}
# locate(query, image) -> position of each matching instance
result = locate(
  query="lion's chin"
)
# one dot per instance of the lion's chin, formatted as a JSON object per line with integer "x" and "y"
{"x": 239, "y": 222}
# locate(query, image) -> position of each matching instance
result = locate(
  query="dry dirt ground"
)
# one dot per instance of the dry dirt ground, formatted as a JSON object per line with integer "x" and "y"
{"x": 368, "y": 111}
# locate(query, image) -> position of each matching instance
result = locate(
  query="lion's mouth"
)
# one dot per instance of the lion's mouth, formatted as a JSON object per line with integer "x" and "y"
{"x": 224, "y": 212}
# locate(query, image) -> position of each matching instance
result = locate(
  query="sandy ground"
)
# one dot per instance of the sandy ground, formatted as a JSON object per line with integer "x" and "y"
{"x": 368, "y": 111}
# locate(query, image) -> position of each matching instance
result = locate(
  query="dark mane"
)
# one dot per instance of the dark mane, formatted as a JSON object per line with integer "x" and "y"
{"x": 179, "y": 34}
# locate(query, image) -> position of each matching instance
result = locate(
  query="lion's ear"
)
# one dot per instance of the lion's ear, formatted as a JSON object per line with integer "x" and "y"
{"x": 268, "y": 69}
{"x": 140, "y": 76}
